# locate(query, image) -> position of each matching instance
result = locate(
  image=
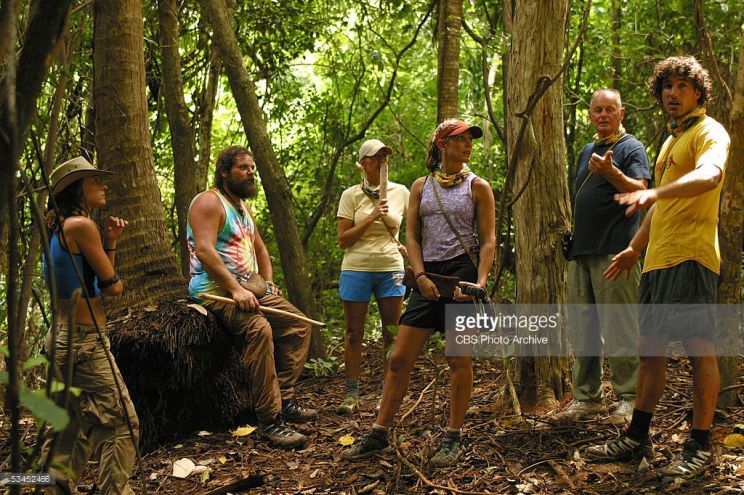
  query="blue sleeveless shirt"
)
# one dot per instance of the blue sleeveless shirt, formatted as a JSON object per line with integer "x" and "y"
{"x": 64, "y": 273}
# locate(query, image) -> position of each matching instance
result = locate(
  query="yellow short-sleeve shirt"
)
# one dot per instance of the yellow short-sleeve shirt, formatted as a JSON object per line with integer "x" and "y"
{"x": 684, "y": 229}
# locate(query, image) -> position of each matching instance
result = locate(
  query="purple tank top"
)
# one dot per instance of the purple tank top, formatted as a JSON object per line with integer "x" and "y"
{"x": 438, "y": 242}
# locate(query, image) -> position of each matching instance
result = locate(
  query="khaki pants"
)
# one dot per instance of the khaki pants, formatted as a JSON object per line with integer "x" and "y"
{"x": 96, "y": 416}
{"x": 274, "y": 350}
{"x": 604, "y": 317}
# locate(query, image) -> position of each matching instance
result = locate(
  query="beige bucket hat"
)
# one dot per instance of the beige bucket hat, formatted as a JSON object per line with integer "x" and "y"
{"x": 71, "y": 171}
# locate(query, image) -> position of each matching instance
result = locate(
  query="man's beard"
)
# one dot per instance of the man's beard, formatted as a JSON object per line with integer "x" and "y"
{"x": 246, "y": 189}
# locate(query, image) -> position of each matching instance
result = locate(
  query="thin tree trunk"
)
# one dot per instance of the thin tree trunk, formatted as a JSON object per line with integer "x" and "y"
{"x": 182, "y": 135}
{"x": 205, "y": 112}
{"x": 448, "y": 67}
{"x": 144, "y": 258}
{"x": 273, "y": 180}
{"x": 730, "y": 236}
{"x": 34, "y": 244}
{"x": 541, "y": 213}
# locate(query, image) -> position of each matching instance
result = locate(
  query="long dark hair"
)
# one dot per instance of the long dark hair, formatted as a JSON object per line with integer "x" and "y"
{"x": 70, "y": 202}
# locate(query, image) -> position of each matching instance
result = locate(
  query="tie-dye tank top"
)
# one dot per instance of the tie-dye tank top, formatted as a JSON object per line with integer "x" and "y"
{"x": 234, "y": 245}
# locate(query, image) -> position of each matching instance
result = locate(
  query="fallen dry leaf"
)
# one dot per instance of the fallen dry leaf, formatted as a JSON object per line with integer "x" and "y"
{"x": 199, "y": 308}
{"x": 204, "y": 433}
{"x": 346, "y": 440}
{"x": 734, "y": 441}
{"x": 243, "y": 431}
{"x": 222, "y": 459}
{"x": 183, "y": 468}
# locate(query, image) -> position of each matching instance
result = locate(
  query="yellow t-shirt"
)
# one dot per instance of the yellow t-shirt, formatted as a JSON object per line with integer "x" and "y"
{"x": 684, "y": 229}
{"x": 375, "y": 251}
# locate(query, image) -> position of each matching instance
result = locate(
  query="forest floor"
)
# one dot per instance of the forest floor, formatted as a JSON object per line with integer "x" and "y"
{"x": 503, "y": 455}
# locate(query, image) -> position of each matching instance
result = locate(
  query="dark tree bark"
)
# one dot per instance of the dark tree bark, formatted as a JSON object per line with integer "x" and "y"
{"x": 448, "y": 67}
{"x": 273, "y": 180}
{"x": 144, "y": 258}
{"x": 182, "y": 134}
{"x": 730, "y": 237}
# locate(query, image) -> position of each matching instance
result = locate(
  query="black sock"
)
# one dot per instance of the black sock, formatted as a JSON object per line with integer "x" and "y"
{"x": 702, "y": 437}
{"x": 639, "y": 425}
{"x": 452, "y": 433}
{"x": 379, "y": 431}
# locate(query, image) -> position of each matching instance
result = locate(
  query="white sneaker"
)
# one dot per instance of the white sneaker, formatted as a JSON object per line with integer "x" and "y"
{"x": 580, "y": 410}
{"x": 623, "y": 413}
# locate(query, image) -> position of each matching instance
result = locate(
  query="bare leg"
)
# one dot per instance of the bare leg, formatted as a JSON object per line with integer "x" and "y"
{"x": 407, "y": 347}
{"x": 355, "y": 313}
{"x": 705, "y": 381}
{"x": 390, "y": 308}
{"x": 652, "y": 373}
{"x": 461, "y": 377}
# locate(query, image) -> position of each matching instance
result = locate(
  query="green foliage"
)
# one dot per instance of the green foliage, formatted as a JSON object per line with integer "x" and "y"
{"x": 36, "y": 401}
{"x": 323, "y": 367}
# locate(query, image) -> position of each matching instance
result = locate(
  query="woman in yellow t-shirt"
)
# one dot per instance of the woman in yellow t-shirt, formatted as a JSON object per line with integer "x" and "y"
{"x": 368, "y": 230}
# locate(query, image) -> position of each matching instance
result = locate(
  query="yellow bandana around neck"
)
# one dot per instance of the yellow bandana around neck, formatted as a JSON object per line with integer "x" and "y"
{"x": 680, "y": 125}
{"x": 450, "y": 180}
{"x": 612, "y": 139}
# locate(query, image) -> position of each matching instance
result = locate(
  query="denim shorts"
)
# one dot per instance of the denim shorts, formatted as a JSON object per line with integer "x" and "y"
{"x": 358, "y": 286}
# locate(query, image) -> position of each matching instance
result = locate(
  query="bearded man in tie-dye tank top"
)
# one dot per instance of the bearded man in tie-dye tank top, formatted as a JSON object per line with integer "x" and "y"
{"x": 228, "y": 258}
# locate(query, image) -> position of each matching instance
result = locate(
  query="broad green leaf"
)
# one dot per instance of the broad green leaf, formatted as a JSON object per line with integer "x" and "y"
{"x": 43, "y": 408}
{"x": 34, "y": 361}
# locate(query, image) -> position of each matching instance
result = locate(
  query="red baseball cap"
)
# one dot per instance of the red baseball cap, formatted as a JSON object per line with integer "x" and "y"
{"x": 455, "y": 127}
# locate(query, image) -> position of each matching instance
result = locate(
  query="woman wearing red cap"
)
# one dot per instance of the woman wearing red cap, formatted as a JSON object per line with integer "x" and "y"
{"x": 81, "y": 259}
{"x": 368, "y": 228}
{"x": 450, "y": 231}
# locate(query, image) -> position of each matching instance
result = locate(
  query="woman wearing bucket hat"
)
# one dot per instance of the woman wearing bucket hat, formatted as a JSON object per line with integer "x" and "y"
{"x": 368, "y": 228}
{"x": 450, "y": 231}
{"x": 81, "y": 258}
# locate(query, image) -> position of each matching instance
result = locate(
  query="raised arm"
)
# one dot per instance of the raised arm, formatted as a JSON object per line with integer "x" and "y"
{"x": 82, "y": 234}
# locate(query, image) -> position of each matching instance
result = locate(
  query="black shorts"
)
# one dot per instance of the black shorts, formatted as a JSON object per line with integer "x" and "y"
{"x": 423, "y": 313}
{"x": 678, "y": 303}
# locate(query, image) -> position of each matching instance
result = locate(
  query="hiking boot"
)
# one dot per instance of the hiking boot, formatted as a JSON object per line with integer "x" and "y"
{"x": 694, "y": 461}
{"x": 449, "y": 452}
{"x": 622, "y": 414}
{"x": 374, "y": 442}
{"x": 350, "y": 405}
{"x": 623, "y": 448}
{"x": 280, "y": 435}
{"x": 295, "y": 413}
{"x": 580, "y": 410}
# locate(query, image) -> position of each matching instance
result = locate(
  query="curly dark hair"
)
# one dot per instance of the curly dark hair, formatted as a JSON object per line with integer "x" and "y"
{"x": 225, "y": 161}
{"x": 686, "y": 67}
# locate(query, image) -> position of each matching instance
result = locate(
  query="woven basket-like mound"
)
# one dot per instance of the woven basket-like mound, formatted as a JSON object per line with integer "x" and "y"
{"x": 181, "y": 369}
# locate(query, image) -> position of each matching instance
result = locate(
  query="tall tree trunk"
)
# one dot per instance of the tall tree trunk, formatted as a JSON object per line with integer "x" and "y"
{"x": 205, "y": 112}
{"x": 273, "y": 180}
{"x": 730, "y": 237}
{"x": 448, "y": 67}
{"x": 182, "y": 135}
{"x": 541, "y": 213}
{"x": 617, "y": 61}
{"x": 19, "y": 89}
{"x": 144, "y": 258}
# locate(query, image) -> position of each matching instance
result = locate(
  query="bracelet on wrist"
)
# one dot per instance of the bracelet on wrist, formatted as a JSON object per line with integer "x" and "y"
{"x": 108, "y": 250}
{"x": 103, "y": 284}
{"x": 419, "y": 274}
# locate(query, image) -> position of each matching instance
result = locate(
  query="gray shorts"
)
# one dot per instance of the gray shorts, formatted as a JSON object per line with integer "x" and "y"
{"x": 679, "y": 303}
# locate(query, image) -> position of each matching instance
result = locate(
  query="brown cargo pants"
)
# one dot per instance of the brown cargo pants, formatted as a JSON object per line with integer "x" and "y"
{"x": 274, "y": 350}
{"x": 96, "y": 416}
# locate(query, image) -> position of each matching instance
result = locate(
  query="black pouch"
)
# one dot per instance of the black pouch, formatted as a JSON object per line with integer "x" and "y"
{"x": 566, "y": 244}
